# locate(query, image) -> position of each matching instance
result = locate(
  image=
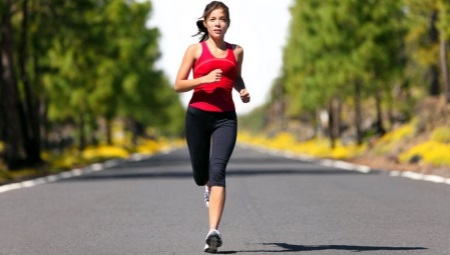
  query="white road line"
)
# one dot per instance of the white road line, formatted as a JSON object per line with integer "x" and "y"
{"x": 420, "y": 177}
{"x": 68, "y": 174}
{"x": 78, "y": 172}
{"x": 349, "y": 166}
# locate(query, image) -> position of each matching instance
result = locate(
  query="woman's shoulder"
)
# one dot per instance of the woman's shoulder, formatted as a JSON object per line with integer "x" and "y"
{"x": 237, "y": 49}
{"x": 194, "y": 46}
{"x": 194, "y": 49}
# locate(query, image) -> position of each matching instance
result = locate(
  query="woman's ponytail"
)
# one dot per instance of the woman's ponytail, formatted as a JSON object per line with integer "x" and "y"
{"x": 202, "y": 30}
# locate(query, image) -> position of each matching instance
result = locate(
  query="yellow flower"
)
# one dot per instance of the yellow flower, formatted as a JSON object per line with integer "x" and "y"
{"x": 432, "y": 152}
{"x": 104, "y": 151}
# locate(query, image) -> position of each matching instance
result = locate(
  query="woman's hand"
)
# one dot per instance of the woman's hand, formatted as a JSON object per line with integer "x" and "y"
{"x": 245, "y": 96}
{"x": 213, "y": 76}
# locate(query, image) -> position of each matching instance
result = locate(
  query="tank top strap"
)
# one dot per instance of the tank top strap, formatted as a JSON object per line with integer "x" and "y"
{"x": 230, "y": 54}
{"x": 205, "y": 50}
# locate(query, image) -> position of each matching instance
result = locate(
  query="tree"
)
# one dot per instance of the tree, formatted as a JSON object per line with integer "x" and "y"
{"x": 444, "y": 35}
{"x": 11, "y": 108}
{"x": 422, "y": 41}
{"x": 73, "y": 63}
{"x": 341, "y": 48}
{"x": 32, "y": 138}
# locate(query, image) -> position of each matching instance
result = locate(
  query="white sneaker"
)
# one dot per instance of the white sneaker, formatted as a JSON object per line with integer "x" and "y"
{"x": 209, "y": 249}
{"x": 206, "y": 195}
{"x": 213, "y": 241}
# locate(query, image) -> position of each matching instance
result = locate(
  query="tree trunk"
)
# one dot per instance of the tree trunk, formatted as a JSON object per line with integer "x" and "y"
{"x": 82, "y": 132}
{"x": 92, "y": 128}
{"x": 379, "y": 122}
{"x": 137, "y": 130}
{"x": 434, "y": 89}
{"x": 45, "y": 124}
{"x": 319, "y": 123}
{"x": 42, "y": 103}
{"x": 334, "y": 121}
{"x": 31, "y": 122}
{"x": 358, "y": 113}
{"x": 2, "y": 107}
{"x": 444, "y": 68}
{"x": 281, "y": 105}
{"x": 134, "y": 137}
{"x": 331, "y": 124}
{"x": 14, "y": 154}
{"x": 339, "y": 117}
{"x": 109, "y": 131}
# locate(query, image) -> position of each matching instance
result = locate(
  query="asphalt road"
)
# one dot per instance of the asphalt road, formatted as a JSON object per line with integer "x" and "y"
{"x": 274, "y": 206}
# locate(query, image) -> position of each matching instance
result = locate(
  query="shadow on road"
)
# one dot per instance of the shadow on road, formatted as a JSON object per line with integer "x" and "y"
{"x": 130, "y": 175}
{"x": 298, "y": 248}
{"x": 177, "y": 166}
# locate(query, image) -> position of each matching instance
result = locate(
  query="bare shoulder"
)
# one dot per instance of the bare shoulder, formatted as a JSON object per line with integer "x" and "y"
{"x": 194, "y": 50}
{"x": 238, "y": 52}
{"x": 237, "y": 49}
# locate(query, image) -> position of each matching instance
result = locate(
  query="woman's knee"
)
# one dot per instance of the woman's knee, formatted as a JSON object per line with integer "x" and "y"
{"x": 217, "y": 178}
{"x": 200, "y": 180}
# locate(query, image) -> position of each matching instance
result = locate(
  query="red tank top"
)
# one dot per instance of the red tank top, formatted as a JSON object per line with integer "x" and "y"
{"x": 216, "y": 96}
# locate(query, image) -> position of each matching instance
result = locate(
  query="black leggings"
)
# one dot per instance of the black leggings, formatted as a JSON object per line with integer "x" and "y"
{"x": 210, "y": 132}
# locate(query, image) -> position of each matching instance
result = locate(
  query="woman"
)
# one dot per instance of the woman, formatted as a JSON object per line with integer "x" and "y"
{"x": 211, "y": 124}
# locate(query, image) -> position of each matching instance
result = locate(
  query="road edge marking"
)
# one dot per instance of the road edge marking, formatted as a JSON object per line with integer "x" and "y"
{"x": 349, "y": 166}
{"x": 95, "y": 167}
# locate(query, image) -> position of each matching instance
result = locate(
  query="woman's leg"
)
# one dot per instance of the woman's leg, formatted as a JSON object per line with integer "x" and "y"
{"x": 198, "y": 140}
{"x": 223, "y": 142}
{"x": 216, "y": 204}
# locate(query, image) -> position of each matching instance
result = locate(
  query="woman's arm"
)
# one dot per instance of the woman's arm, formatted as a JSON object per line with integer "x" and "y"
{"x": 239, "y": 84}
{"x": 182, "y": 83}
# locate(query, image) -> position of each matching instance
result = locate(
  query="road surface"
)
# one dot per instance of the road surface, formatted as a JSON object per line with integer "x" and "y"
{"x": 274, "y": 205}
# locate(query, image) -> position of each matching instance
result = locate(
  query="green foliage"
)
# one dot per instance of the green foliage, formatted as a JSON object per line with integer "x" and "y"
{"x": 96, "y": 59}
{"x": 336, "y": 43}
{"x": 427, "y": 23}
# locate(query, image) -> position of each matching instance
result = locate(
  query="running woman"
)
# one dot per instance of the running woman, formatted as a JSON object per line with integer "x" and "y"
{"x": 211, "y": 123}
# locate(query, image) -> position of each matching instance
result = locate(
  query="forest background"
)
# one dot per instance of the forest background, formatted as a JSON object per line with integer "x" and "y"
{"x": 362, "y": 81}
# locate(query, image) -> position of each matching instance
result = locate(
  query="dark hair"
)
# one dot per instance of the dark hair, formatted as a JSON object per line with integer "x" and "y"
{"x": 208, "y": 9}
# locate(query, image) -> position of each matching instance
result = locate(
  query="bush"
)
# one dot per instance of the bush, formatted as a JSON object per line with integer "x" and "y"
{"x": 314, "y": 147}
{"x": 398, "y": 134}
{"x": 441, "y": 134}
{"x": 151, "y": 146}
{"x": 431, "y": 152}
{"x": 104, "y": 152}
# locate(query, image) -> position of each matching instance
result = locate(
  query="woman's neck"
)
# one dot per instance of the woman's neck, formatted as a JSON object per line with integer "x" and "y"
{"x": 218, "y": 43}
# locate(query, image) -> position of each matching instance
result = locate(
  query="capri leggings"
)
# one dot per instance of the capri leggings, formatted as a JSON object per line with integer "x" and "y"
{"x": 211, "y": 137}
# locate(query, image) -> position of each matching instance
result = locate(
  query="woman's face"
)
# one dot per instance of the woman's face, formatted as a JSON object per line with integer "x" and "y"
{"x": 217, "y": 23}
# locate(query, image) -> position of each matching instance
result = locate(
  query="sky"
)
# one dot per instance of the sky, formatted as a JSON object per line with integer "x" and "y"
{"x": 260, "y": 27}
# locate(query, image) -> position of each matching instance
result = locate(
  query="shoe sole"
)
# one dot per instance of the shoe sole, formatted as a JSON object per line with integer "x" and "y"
{"x": 210, "y": 250}
{"x": 214, "y": 241}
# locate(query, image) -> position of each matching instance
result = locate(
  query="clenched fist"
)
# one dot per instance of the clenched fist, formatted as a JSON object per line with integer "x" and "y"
{"x": 245, "y": 96}
{"x": 213, "y": 76}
